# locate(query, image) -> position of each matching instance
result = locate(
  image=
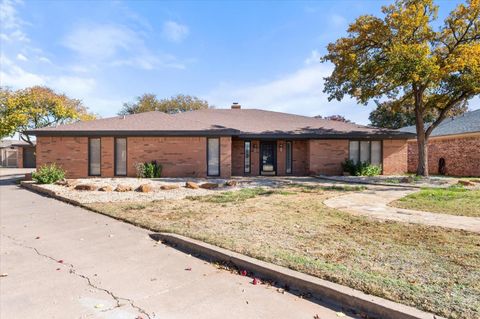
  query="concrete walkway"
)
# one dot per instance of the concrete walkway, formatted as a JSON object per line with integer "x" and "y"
{"x": 374, "y": 203}
{"x": 61, "y": 261}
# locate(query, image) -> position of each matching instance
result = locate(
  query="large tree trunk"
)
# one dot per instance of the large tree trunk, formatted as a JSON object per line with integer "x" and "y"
{"x": 422, "y": 143}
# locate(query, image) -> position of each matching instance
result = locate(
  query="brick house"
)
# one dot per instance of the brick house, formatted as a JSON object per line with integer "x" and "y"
{"x": 218, "y": 142}
{"x": 453, "y": 147}
{"x": 18, "y": 154}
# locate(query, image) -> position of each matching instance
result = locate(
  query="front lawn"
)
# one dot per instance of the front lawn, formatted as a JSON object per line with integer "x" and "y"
{"x": 452, "y": 200}
{"x": 430, "y": 268}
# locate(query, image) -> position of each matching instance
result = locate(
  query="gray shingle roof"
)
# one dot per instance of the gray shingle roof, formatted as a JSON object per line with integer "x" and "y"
{"x": 468, "y": 122}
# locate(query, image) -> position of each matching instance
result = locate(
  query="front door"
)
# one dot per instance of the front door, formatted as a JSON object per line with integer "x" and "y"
{"x": 267, "y": 158}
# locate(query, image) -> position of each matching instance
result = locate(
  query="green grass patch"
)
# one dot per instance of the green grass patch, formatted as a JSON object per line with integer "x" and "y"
{"x": 240, "y": 195}
{"x": 453, "y": 200}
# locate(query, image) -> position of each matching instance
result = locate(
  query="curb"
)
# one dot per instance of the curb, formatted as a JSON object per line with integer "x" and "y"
{"x": 323, "y": 289}
{"x": 336, "y": 293}
{"x": 328, "y": 178}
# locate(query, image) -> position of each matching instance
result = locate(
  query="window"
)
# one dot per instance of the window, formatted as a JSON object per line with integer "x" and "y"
{"x": 247, "y": 159}
{"x": 288, "y": 160}
{"x": 366, "y": 151}
{"x": 213, "y": 157}
{"x": 121, "y": 156}
{"x": 94, "y": 157}
{"x": 376, "y": 157}
{"x": 354, "y": 151}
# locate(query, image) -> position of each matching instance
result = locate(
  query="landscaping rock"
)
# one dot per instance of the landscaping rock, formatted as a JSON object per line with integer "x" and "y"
{"x": 209, "y": 185}
{"x": 465, "y": 183}
{"x": 475, "y": 180}
{"x": 123, "y": 188}
{"x": 191, "y": 185}
{"x": 407, "y": 180}
{"x": 106, "y": 188}
{"x": 85, "y": 187}
{"x": 169, "y": 187}
{"x": 144, "y": 188}
{"x": 62, "y": 182}
{"x": 231, "y": 183}
{"x": 71, "y": 183}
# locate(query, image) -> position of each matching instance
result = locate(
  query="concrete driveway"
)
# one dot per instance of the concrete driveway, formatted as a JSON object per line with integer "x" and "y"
{"x": 61, "y": 261}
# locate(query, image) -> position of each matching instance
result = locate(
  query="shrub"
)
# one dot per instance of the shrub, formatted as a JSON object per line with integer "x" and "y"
{"x": 149, "y": 170}
{"x": 48, "y": 174}
{"x": 361, "y": 168}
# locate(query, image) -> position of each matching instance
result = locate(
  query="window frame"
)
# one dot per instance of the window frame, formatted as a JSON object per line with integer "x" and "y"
{"x": 286, "y": 157}
{"x": 249, "y": 157}
{"x": 90, "y": 156}
{"x": 115, "y": 156}
{"x": 219, "y": 159}
{"x": 369, "y": 150}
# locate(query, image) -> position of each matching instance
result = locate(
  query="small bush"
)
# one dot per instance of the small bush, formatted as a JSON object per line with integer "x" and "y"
{"x": 48, "y": 174}
{"x": 149, "y": 170}
{"x": 361, "y": 168}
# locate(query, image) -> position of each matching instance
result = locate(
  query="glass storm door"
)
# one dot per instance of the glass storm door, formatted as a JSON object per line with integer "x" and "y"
{"x": 267, "y": 158}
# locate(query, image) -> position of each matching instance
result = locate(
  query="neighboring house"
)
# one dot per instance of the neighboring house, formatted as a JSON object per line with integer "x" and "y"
{"x": 17, "y": 154}
{"x": 453, "y": 146}
{"x": 218, "y": 142}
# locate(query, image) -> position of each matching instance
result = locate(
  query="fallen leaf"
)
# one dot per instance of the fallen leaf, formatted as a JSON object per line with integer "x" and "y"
{"x": 99, "y": 306}
{"x": 255, "y": 281}
{"x": 38, "y": 237}
{"x": 58, "y": 268}
{"x": 188, "y": 269}
{"x": 4, "y": 275}
{"x": 340, "y": 314}
{"x": 60, "y": 261}
{"x": 243, "y": 273}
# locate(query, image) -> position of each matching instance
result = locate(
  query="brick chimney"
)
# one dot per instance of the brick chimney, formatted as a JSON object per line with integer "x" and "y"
{"x": 236, "y": 106}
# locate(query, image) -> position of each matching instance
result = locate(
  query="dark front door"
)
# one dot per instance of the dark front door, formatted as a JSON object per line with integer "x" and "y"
{"x": 29, "y": 157}
{"x": 267, "y": 158}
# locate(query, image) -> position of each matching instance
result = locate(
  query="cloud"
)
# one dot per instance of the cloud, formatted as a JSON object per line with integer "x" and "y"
{"x": 314, "y": 58}
{"x": 298, "y": 92}
{"x": 100, "y": 42}
{"x": 11, "y": 22}
{"x": 21, "y": 57}
{"x": 174, "y": 31}
{"x": 16, "y": 77}
{"x": 116, "y": 45}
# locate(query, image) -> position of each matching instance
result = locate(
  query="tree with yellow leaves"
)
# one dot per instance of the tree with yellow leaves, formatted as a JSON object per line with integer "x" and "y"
{"x": 37, "y": 107}
{"x": 401, "y": 59}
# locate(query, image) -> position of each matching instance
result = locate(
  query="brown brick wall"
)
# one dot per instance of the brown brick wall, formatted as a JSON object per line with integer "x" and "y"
{"x": 19, "y": 157}
{"x": 395, "y": 157}
{"x": 107, "y": 158}
{"x": 325, "y": 156}
{"x": 179, "y": 156}
{"x": 300, "y": 157}
{"x": 237, "y": 157}
{"x": 461, "y": 154}
{"x": 70, "y": 153}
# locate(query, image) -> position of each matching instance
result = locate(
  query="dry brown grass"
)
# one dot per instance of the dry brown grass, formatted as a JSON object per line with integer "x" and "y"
{"x": 430, "y": 268}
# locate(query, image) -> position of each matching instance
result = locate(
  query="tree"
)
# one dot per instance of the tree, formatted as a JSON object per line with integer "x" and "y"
{"x": 401, "y": 58}
{"x": 37, "y": 107}
{"x": 337, "y": 117}
{"x": 386, "y": 116}
{"x": 176, "y": 104}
